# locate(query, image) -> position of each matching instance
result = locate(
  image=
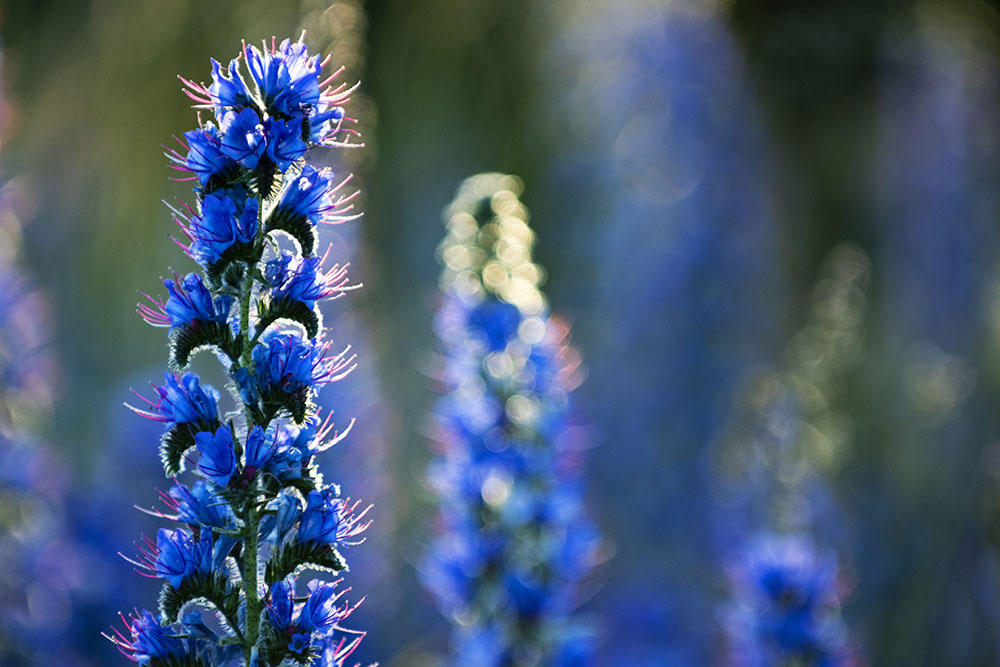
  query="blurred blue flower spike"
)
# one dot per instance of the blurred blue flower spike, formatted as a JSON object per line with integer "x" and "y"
{"x": 785, "y": 439}
{"x": 514, "y": 541}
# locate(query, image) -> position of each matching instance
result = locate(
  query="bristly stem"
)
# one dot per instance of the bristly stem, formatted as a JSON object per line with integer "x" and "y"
{"x": 250, "y": 580}
{"x": 251, "y": 591}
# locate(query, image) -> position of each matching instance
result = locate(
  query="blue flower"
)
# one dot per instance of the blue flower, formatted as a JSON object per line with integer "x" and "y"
{"x": 205, "y": 157}
{"x": 299, "y": 642}
{"x": 323, "y": 121}
{"x": 149, "y": 640}
{"x": 287, "y": 364}
{"x": 218, "y": 459}
{"x": 288, "y": 78}
{"x": 284, "y": 142}
{"x": 201, "y": 505}
{"x": 786, "y": 605}
{"x": 301, "y": 279}
{"x": 308, "y": 196}
{"x": 176, "y": 559}
{"x": 287, "y": 510}
{"x": 320, "y": 611}
{"x": 243, "y": 137}
{"x": 220, "y": 226}
{"x": 228, "y": 92}
{"x": 329, "y": 520}
{"x": 182, "y": 400}
{"x": 190, "y": 302}
{"x": 260, "y": 448}
{"x": 281, "y": 604}
{"x": 497, "y": 320}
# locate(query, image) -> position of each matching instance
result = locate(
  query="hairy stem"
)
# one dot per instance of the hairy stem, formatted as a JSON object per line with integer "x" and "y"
{"x": 250, "y": 578}
{"x": 250, "y": 587}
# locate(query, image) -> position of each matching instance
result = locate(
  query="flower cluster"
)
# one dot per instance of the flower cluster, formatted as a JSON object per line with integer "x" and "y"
{"x": 257, "y": 512}
{"x": 788, "y": 607}
{"x": 514, "y": 541}
{"x": 785, "y": 440}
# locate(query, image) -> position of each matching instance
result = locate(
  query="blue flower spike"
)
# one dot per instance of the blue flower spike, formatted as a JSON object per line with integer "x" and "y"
{"x": 515, "y": 541}
{"x": 255, "y": 511}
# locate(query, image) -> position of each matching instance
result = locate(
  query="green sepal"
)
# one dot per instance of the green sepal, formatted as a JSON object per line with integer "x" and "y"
{"x": 297, "y": 226}
{"x": 218, "y": 272}
{"x": 305, "y": 484}
{"x": 270, "y": 311}
{"x": 296, "y": 404}
{"x": 226, "y": 178}
{"x": 264, "y": 177}
{"x": 296, "y": 556}
{"x": 190, "y": 338}
{"x": 178, "y": 439}
{"x": 212, "y": 589}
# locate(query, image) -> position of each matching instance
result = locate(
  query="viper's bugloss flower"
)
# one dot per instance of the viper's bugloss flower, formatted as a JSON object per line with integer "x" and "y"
{"x": 288, "y": 364}
{"x": 284, "y": 142}
{"x": 205, "y": 157}
{"x": 243, "y": 137}
{"x": 286, "y": 77}
{"x": 200, "y": 505}
{"x": 182, "y": 400}
{"x": 787, "y": 606}
{"x": 302, "y": 279}
{"x": 330, "y": 520}
{"x": 148, "y": 640}
{"x": 223, "y": 222}
{"x": 281, "y": 604}
{"x": 260, "y": 448}
{"x": 514, "y": 540}
{"x": 181, "y": 557}
{"x": 254, "y": 469}
{"x": 287, "y": 510}
{"x": 496, "y": 321}
{"x": 228, "y": 89}
{"x": 312, "y": 623}
{"x": 310, "y": 196}
{"x": 190, "y": 302}
{"x": 218, "y": 457}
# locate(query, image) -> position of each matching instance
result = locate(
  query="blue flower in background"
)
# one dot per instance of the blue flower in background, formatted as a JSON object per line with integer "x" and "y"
{"x": 787, "y": 608}
{"x": 514, "y": 539}
{"x": 668, "y": 163}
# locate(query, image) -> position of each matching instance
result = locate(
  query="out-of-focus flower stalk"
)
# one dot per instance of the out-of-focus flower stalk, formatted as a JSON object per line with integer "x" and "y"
{"x": 514, "y": 541}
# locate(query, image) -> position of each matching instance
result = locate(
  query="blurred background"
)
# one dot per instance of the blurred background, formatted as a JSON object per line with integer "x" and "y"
{"x": 772, "y": 224}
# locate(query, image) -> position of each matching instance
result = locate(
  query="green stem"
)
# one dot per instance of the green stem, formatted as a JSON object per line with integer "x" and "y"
{"x": 254, "y": 603}
{"x": 250, "y": 576}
